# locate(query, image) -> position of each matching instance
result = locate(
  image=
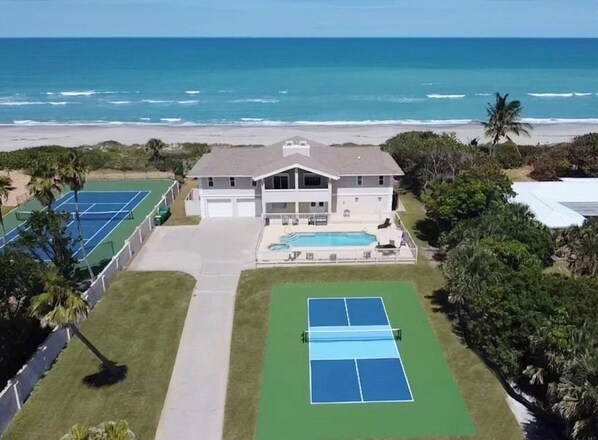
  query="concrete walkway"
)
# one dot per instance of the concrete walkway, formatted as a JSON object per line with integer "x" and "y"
{"x": 215, "y": 253}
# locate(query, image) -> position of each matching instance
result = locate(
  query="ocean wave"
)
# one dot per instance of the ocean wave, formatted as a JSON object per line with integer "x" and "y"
{"x": 252, "y": 119}
{"x": 157, "y": 101}
{"x": 119, "y": 102}
{"x": 79, "y": 93}
{"x": 439, "y": 96}
{"x": 170, "y": 119}
{"x": 560, "y": 95}
{"x": 60, "y": 102}
{"x": 225, "y": 91}
{"x": 283, "y": 92}
{"x": 255, "y": 100}
{"x": 560, "y": 120}
{"x": 192, "y": 92}
{"x": 582, "y": 94}
{"x": 189, "y": 102}
{"x": 483, "y": 94}
{"x": 20, "y": 103}
{"x": 145, "y": 119}
{"x": 426, "y": 84}
{"x": 393, "y": 99}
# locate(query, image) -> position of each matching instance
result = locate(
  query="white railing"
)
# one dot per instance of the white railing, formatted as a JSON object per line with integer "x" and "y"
{"x": 306, "y": 257}
{"x": 20, "y": 386}
{"x": 296, "y": 219}
{"x": 407, "y": 238}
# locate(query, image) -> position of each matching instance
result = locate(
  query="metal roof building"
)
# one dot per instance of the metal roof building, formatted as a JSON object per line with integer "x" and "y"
{"x": 560, "y": 204}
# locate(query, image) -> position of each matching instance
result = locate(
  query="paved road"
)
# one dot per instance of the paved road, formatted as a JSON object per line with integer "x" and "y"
{"x": 215, "y": 253}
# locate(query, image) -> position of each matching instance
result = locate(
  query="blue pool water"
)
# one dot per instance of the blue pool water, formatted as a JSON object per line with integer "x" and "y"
{"x": 326, "y": 239}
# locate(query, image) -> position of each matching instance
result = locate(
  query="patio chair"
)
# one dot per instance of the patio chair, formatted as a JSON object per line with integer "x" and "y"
{"x": 295, "y": 221}
{"x": 367, "y": 255}
{"x": 309, "y": 256}
{"x": 332, "y": 257}
{"x": 384, "y": 225}
{"x": 346, "y": 213}
{"x": 285, "y": 221}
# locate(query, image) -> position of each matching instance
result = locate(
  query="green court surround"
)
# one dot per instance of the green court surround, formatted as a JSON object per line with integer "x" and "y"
{"x": 285, "y": 411}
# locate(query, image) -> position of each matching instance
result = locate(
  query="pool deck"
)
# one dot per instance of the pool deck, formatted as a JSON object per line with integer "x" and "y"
{"x": 332, "y": 255}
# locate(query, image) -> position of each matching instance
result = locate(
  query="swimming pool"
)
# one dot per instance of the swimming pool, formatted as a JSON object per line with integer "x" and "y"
{"x": 323, "y": 239}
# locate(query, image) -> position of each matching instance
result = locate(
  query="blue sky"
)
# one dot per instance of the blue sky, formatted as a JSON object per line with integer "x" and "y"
{"x": 412, "y": 18}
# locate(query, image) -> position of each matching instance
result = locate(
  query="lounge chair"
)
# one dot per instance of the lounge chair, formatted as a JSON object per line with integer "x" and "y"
{"x": 384, "y": 225}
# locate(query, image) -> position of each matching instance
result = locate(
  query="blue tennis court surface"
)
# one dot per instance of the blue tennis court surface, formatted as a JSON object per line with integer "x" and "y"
{"x": 353, "y": 354}
{"x": 101, "y": 212}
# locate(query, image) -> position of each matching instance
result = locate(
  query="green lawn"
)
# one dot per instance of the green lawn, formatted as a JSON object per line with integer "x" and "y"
{"x": 484, "y": 396}
{"x": 437, "y": 409}
{"x": 6, "y": 209}
{"x": 179, "y": 217}
{"x": 519, "y": 174}
{"x": 137, "y": 323}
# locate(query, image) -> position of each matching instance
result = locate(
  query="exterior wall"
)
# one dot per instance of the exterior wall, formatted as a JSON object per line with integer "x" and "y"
{"x": 223, "y": 183}
{"x": 368, "y": 198}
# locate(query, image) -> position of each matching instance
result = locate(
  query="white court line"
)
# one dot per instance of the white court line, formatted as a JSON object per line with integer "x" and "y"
{"x": 309, "y": 356}
{"x": 347, "y": 312}
{"x": 43, "y": 209}
{"x": 147, "y": 193}
{"x": 358, "y": 380}
{"x": 399, "y": 355}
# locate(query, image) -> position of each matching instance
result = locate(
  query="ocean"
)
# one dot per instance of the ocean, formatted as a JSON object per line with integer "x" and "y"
{"x": 293, "y": 81}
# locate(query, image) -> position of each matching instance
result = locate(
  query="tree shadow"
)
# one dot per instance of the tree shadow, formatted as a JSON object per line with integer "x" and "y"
{"x": 440, "y": 302}
{"x": 106, "y": 377}
{"x": 427, "y": 231}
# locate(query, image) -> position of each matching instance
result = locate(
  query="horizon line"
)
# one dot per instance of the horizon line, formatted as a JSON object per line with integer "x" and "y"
{"x": 222, "y": 37}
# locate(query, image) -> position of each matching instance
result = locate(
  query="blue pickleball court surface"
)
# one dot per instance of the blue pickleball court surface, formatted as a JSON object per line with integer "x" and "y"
{"x": 353, "y": 354}
{"x": 101, "y": 212}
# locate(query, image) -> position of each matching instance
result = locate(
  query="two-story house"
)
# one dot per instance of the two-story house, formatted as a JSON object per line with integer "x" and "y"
{"x": 295, "y": 178}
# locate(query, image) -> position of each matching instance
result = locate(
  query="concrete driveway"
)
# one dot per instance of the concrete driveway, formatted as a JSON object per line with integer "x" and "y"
{"x": 215, "y": 253}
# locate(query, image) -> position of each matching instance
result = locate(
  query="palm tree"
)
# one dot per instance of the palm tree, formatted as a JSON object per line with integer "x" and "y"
{"x": 154, "y": 147}
{"x": 5, "y": 188}
{"x": 577, "y": 390}
{"x": 579, "y": 245}
{"x": 59, "y": 306}
{"x": 503, "y": 118}
{"x": 470, "y": 269}
{"x": 74, "y": 174}
{"x": 44, "y": 184}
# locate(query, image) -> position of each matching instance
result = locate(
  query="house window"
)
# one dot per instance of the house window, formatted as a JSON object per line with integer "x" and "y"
{"x": 359, "y": 180}
{"x": 280, "y": 181}
{"x": 381, "y": 180}
{"x": 232, "y": 182}
{"x": 312, "y": 180}
{"x": 312, "y": 204}
{"x": 356, "y": 199}
{"x": 321, "y": 204}
{"x": 210, "y": 182}
{"x": 253, "y": 183}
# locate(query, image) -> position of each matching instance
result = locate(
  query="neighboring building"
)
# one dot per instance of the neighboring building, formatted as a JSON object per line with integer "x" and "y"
{"x": 560, "y": 204}
{"x": 295, "y": 177}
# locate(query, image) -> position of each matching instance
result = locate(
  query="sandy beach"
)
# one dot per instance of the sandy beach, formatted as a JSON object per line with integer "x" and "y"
{"x": 14, "y": 137}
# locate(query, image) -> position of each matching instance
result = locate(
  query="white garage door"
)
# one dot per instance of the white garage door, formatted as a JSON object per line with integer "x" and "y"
{"x": 220, "y": 208}
{"x": 245, "y": 207}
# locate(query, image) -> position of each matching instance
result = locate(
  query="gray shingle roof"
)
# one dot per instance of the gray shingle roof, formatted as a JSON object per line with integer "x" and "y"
{"x": 256, "y": 161}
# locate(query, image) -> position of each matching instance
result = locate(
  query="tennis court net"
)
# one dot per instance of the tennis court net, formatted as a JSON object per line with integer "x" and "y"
{"x": 352, "y": 335}
{"x": 84, "y": 216}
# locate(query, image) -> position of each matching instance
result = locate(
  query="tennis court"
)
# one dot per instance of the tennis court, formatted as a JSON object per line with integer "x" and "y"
{"x": 349, "y": 361}
{"x": 109, "y": 212}
{"x": 353, "y": 352}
